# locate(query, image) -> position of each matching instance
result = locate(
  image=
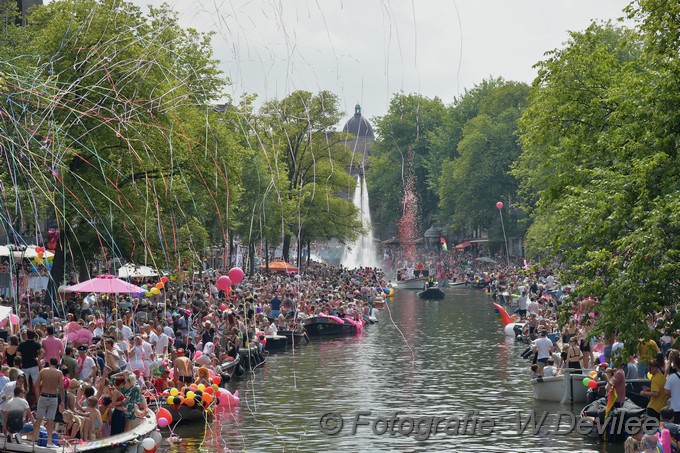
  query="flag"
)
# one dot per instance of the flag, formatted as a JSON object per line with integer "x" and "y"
{"x": 611, "y": 399}
{"x": 444, "y": 247}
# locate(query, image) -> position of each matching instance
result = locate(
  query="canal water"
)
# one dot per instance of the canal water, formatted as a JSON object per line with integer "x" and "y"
{"x": 424, "y": 359}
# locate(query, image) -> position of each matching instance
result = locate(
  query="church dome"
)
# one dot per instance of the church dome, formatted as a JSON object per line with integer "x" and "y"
{"x": 358, "y": 125}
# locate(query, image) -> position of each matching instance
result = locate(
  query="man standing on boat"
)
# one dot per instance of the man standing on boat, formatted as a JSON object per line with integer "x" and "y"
{"x": 543, "y": 347}
{"x": 51, "y": 385}
{"x": 183, "y": 369}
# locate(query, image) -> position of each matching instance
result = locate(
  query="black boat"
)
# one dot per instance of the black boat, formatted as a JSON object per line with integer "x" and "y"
{"x": 251, "y": 357}
{"x": 276, "y": 343}
{"x": 611, "y": 429}
{"x": 323, "y": 326}
{"x": 431, "y": 293}
{"x": 295, "y": 338}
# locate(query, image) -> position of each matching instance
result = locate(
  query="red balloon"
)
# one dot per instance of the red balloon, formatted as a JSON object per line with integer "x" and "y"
{"x": 164, "y": 413}
{"x": 499, "y": 205}
{"x": 236, "y": 274}
{"x": 223, "y": 283}
{"x": 164, "y": 279}
{"x": 592, "y": 384}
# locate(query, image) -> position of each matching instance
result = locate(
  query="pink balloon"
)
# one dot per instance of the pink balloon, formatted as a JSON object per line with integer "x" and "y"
{"x": 223, "y": 307}
{"x": 197, "y": 354}
{"x": 163, "y": 422}
{"x": 236, "y": 274}
{"x": 499, "y": 205}
{"x": 223, "y": 283}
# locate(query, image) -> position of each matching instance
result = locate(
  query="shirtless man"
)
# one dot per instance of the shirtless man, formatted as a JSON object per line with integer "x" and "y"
{"x": 111, "y": 358}
{"x": 183, "y": 369}
{"x": 51, "y": 385}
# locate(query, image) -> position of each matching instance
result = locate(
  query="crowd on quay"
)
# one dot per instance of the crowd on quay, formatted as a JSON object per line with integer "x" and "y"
{"x": 536, "y": 300}
{"x": 87, "y": 362}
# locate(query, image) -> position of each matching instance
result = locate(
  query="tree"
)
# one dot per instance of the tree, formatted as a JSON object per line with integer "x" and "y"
{"x": 298, "y": 141}
{"x": 407, "y": 124}
{"x": 476, "y": 177}
{"x": 117, "y": 133}
{"x": 601, "y": 155}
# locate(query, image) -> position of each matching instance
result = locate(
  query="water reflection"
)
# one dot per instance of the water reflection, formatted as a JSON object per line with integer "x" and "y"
{"x": 452, "y": 358}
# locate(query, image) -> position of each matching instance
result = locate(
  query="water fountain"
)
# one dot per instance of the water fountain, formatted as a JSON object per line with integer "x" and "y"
{"x": 407, "y": 225}
{"x": 362, "y": 252}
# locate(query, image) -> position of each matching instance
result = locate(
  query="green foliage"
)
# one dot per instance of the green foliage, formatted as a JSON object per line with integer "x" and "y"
{"x": 408, "y": 124}
{"x": 600, "y": 161}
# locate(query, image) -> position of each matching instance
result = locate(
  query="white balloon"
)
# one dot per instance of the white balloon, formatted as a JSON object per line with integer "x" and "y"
{"x": 148, "y": 443}
{"x": 157, "y": 437}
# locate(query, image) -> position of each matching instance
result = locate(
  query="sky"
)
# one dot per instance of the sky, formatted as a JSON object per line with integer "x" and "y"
{"x": 365, "y": 51}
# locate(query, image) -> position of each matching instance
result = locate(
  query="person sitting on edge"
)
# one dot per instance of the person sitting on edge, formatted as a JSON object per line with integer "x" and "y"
{"x": 536, "y": 371}
{"x": 550, "y": 369}
{"x": 15, "y": 412}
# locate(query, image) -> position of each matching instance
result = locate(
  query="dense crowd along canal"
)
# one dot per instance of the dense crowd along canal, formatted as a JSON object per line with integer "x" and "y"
{"x": 424, "y": 359}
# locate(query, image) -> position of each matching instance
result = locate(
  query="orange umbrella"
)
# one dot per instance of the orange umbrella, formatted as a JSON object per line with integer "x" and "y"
{"x": 280, "y": 265}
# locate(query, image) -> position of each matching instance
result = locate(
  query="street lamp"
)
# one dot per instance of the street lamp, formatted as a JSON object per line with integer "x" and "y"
{"x": 17, "y": 253}
{"x": 499, "y": 205}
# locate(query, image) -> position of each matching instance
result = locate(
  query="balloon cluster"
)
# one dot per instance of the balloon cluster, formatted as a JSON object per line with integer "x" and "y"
{"x": 156, "y": 289}
{"x": 149, "y": 445}
{"x": 197, "y": 396}
{"x": 388, "y": 292}
{"x": 233, "y": 277}
{"x": 590, "y": 383}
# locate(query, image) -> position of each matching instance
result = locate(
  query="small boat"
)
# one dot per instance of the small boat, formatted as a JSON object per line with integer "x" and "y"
{"x": 432, "y": 293}
{"x": 324, "y": 326}
{"x": 127, "y": 442}
{"x": 276, "y": 343}
{"x": 231, "y": 368}
{"x": 295, "y": 338}
{"x": 182, "y": 414}
{"x": 611, "y": 430}
{"x": 251, "y": 357}
{"x": 379, "y": 302}
{"x": 564, "y": 388}
{"x": 417, "y": 281}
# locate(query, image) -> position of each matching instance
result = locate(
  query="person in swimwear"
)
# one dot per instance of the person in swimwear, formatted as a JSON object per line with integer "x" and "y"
{"x": 183, "y": 369}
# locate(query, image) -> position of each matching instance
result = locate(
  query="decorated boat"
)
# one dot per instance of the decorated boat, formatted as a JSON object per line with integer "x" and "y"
{"x": 325, "y": 325}
{"x": 127, "y": 442}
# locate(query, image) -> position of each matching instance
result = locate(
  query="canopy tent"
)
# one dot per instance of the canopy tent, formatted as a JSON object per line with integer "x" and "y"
{"x": 280, "y": 266}
{"x": 105, "y": 284}
{"x": 486, "y": 259}
{"x": 135, "y": 271}
{"x": 28, "y": 253}
{"x": 463, "y": 245}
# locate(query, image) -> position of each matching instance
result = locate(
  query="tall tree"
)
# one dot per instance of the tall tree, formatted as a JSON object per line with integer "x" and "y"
{"x": 600, "y": 146}
{"x": 407, "y": 124}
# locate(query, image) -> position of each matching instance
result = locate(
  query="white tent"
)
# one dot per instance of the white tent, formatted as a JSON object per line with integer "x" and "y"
{"x": 134, "y": 271}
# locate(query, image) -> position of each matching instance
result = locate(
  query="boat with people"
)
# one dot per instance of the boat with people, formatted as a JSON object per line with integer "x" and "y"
{"x": 412, "y": 278}
{"x": 126, "y": 442}
{"x": 596, "y": 413}
{"x": 327, "y": 325}
{"x": 431, "y": 293}
{"x": 563, "y": 388}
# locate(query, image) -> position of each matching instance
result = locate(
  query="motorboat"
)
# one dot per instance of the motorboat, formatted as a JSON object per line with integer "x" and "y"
{"x": 126, "y": 442}
{"x": 326, "y": 325}
{"x": 432, "y": 293}
{"x": 607, "y": 424}
{"x": 379, "y": 302}
{"x": 295, "y": 338}
{"x": 276, "y": 342}
{"x": 417, "y": 280}
{"x": 563, "y": 388}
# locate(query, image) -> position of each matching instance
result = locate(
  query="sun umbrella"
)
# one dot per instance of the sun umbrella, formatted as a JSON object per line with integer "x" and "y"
{"x": 105, "y": 284}
{"x": 134, "y": 271}
{"x": 280, "y": 265}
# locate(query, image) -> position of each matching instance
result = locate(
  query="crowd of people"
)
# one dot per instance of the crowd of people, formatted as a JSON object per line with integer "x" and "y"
{"x": 86, "y": 363}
